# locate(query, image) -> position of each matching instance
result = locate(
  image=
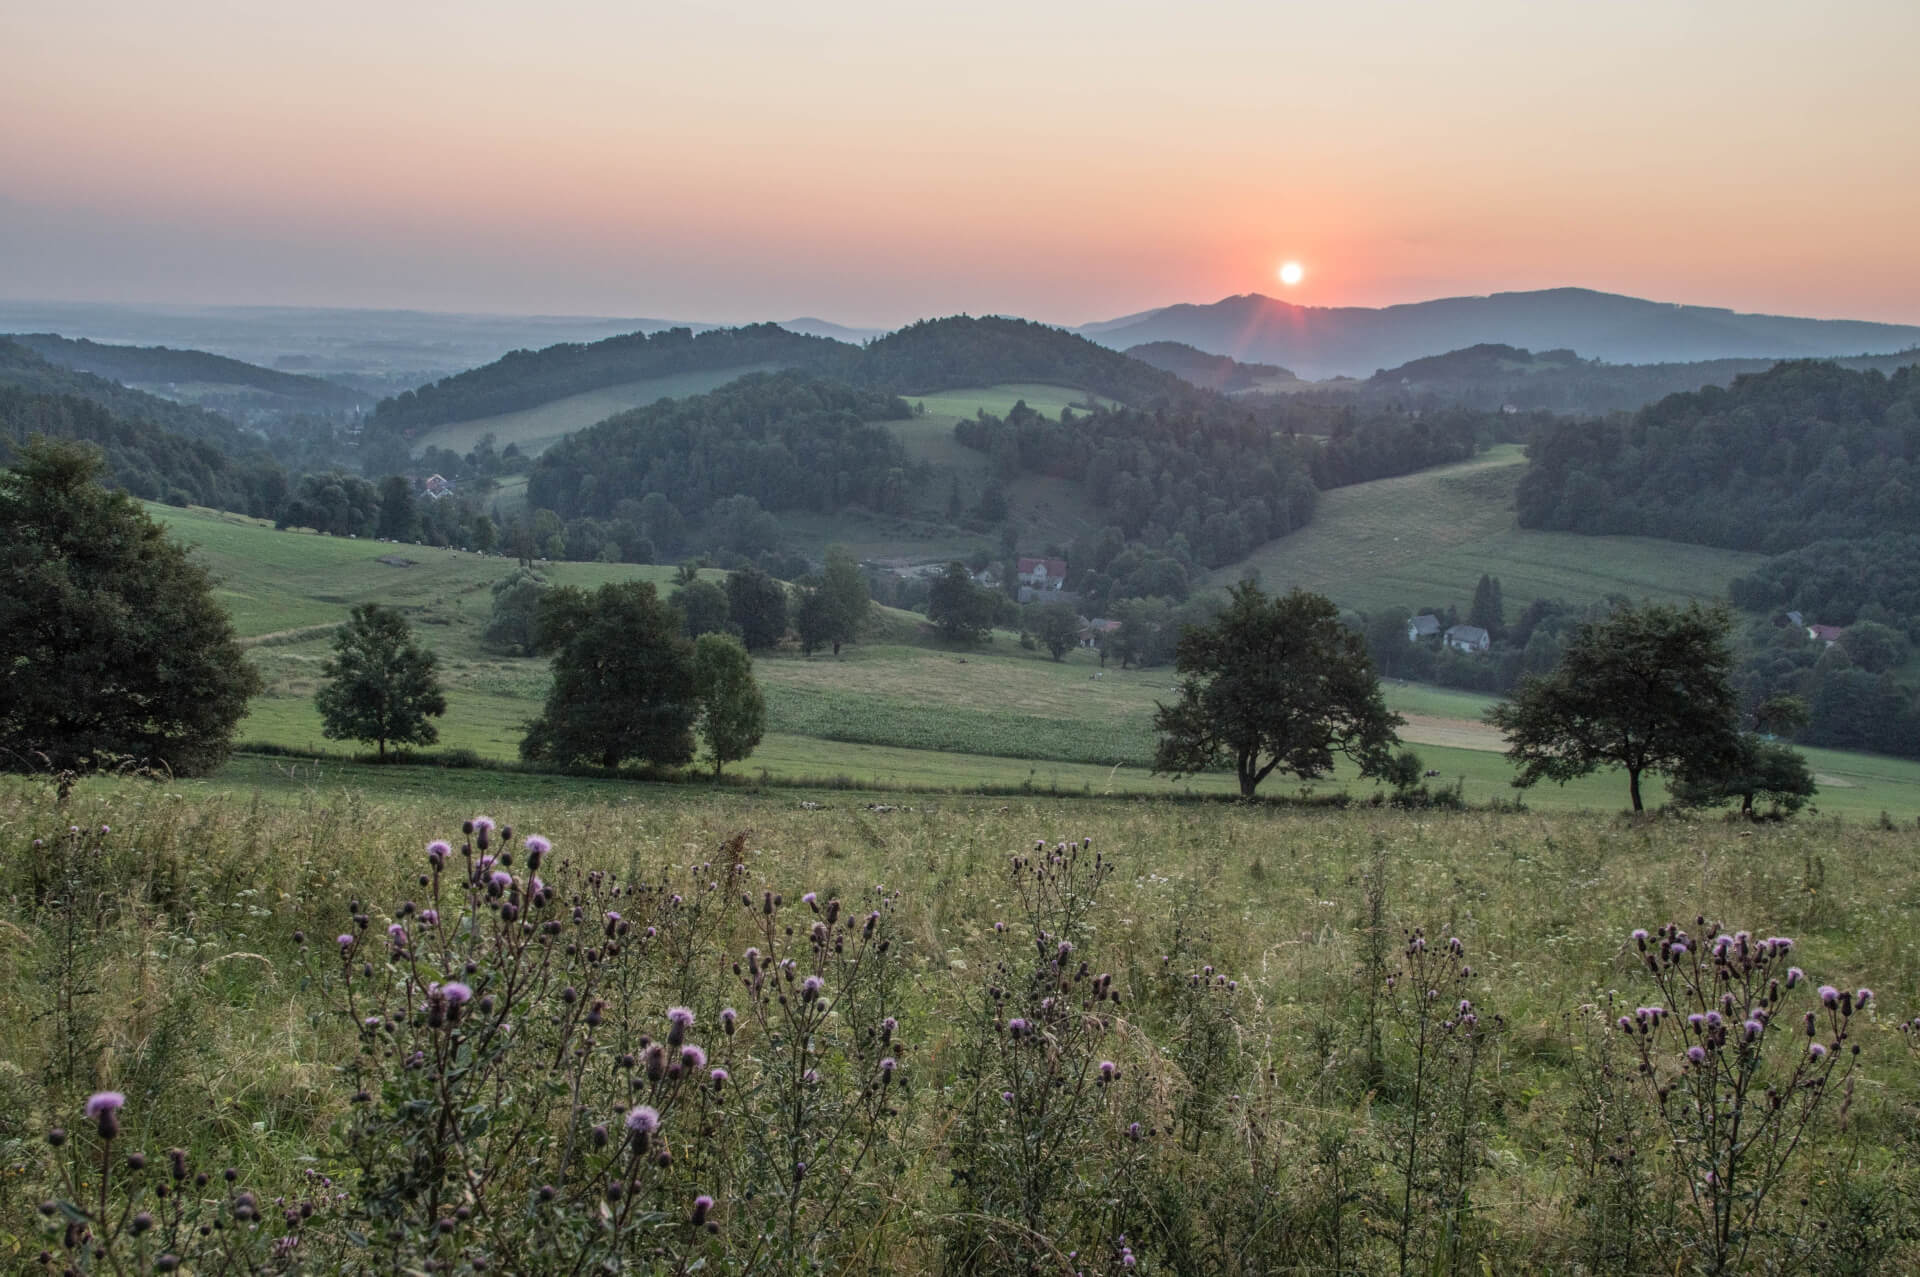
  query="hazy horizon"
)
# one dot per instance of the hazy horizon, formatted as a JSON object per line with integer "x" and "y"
{"x": 869, "y": 165}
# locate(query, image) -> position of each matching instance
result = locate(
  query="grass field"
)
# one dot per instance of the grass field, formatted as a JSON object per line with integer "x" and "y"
{"x": 897, "y": 710}
{"x": 183, "y": 984}
{"x": 536, "y": 429}
{"x": 1425, "y": 539}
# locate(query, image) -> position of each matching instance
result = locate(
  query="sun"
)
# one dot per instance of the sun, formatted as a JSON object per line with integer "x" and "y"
{"x": 1291, "y": 273}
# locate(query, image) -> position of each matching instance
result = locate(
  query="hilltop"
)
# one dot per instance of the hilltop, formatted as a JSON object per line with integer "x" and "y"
{"x": 1322, "y": 341}
{"x": 196, "y": 377}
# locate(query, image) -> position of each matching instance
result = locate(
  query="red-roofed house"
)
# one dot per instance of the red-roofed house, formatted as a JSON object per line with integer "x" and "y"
{"x": 1043, "y": 574}
{"x": 1828, "y": 634}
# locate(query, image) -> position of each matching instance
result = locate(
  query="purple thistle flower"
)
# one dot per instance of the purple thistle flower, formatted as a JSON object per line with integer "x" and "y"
{"x": 889, "y": 1064}
{"x": 1677, "y": 949}
{"x": 1713, "y": 1020}
{"x": 1817, "y": 1051}
{"x": 482, "y": 825}
{"x": 701, "y": 1206}
{"x": 500, "y": 879}
{"x": 1753, "y": 1028}
{"x": 429, "y": 917}
{"x": 680, "y": 1016}
{"x": 1016, "y": 1028}
{"x": 346, "y": 941}
{"x": 1108, "y": 1070}
{"x": 1640, "y": 936}
{"x": 719, "y": 1078}
{"x": 537, "y": 845}
{"x": 1862, "y": 997}
{"x": 728, "y": 1018}
{"x": 438, "y": 850}
{"x": 1626, "y": 1024}
{"x": 643, "y": 1120}
{"x": 396, "y": 933}
{"x": 1697, "y": 1054}
{"x": 1794, "y": 976}
{"x": 1695, "y": 1021}
{"x": 104, "y": 1102}
{"x": 1829, "y": 996}
{"x": 810, "y": 988}
{"x": 456, "y": 993}
{"x": 810, "y": 900}
{"x": 693, "y": 1058}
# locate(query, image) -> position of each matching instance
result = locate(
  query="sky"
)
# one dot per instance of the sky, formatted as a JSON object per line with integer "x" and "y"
{"x": 875, "y": 162}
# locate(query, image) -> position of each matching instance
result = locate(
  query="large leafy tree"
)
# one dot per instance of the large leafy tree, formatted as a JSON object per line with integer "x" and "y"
{"x": 380, "y": 685}
{"x": 757, "y": 606}
{"x": 849, "y": 601}
{"x": 1274, "y": 684}
{"x": 703, "y": 605}
{"x": 623, "y": 681}
{"x": 515, "y": 618}
{"x": 112, "y": 647}
{"x": 1762, "y": 769}
{"x": 1057, "y": 626}
{"x": 1647, "y": 689}
{"x": 733, "y": 713}
{"x": 958, "y": 608}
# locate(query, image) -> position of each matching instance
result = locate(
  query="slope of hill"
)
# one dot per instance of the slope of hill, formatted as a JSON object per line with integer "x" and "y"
{"x": 1490, "y": 377}
{"x": 1212, "y": 372}
{"x": 23, "y": 368}
{"x": 194, "y": 376}
{"x": 528, "y": 378}
{"x": 945, "y": 354}
{"x": 1803, "y": 452}
{"x": 1425, "y": 539}
{"x": 1319, "y": 341}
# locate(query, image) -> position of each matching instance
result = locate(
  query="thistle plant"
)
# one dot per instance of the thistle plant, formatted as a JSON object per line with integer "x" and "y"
{"x": 1743, "y": 1055}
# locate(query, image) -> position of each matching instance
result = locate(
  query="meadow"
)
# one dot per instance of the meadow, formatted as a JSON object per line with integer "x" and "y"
{"x": 898, "y": 709}
{"x": 1263, "y": 1113}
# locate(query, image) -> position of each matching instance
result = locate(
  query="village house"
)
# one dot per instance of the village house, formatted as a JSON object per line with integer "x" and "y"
{"x": 1828, "y": 634}
{"x": 1043, "y": 574}
{"x": 1424, "y": 626}
{"x": 1097, "y": 631}
{"x": 1468, "y": 638}
{"x": 436, "y": 487}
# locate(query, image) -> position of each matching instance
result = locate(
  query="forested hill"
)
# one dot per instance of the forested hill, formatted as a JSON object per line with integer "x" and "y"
{"x": 528, "y": 378}
{"x": 788, "y": 440}
{"x": 946, "y": 354}
{"x": 1210, "y": 372}
{"x": 23, "y": 368}
{"x": 1492, "y": 377}
{"x": 1804, "y": 452}
{"x": 161, "y": 365}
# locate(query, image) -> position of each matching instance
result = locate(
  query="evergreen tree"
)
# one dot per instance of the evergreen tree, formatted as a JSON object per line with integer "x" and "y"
{"x": 960, "y": 609}
{"x": 1486, "y": 610}
{"x": 397, "y": 520}
{"x": 733, "y": 713}
{"x": 379, "y": 684}
{"x": 112, "y": 646}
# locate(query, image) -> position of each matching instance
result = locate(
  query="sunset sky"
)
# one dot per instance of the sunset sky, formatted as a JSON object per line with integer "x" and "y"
{"x": 873, "y": 162}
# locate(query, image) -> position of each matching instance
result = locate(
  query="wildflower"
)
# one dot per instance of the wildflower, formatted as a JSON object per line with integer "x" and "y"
{"x": 103, "y": 1107}
{"x": 1108, "y": 1070}
{"x": 1016, "y": 1028}
{"x": 1697, "y": 1054}
{"x": 1640, "y": 936}
{"x": 438, "y": 851}
{"x": 1753, "y": 1028}
{"x": 1829, "y": 996}
{"x": 701, "y": 1206}
{"x": 810, "y": 988}
{"x": 455, "y": 993}
{"x": 537, "y": 845}
{"x": 693, "y": 1058}
{"x": 1862, "y": 997}
{"x": 1695, "y": 1021}
{"x": 719, "y": 1078}
{"x": 887, "y": 1066}
{"x": 811, "y": 901}
{"x": 681, "y": 1020}
{"x": 643, "y": 1120}
{"x": 1677, "y": 950}
{"x": 500, "y": 880}
{"x": 1794, "y": 976}
{"x": 1816, "y": 1051}
{"x": 728, "y": 1019}
{"x": 397, "y": 934}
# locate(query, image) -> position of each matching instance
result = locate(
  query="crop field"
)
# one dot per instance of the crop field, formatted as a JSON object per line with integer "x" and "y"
{"x": 184, "y": 986}
{"x": 1426, "y": 538}
{"x": 536, "y": 429}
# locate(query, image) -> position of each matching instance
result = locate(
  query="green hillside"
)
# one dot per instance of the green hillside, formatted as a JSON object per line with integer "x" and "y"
{"x": 534, "y": 429}
{"x": 1426, "y": 538}
{"x": 898, "y": 710}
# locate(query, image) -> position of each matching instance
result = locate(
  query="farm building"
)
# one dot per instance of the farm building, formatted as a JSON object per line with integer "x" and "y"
{"x": 1828, "y": 634}
{"x": 1424, "y": 626}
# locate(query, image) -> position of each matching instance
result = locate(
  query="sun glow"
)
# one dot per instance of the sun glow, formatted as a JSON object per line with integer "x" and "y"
{"x": 1291, "y": 273}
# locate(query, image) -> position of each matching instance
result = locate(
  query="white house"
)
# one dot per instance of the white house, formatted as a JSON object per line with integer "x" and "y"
{"x": 1424, "y": 626}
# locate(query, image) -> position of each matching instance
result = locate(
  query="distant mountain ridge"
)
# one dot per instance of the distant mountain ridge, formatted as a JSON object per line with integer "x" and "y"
{"x": 1357, "y": 341}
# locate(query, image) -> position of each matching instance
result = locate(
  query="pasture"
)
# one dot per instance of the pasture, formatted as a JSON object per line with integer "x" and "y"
{"x": 536, "y": 429}
{"x": 1425, "y": 539}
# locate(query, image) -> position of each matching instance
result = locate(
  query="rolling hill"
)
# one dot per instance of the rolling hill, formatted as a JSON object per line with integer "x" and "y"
{"x": 1321, "y": 341}
{"x": 196, "y": 377}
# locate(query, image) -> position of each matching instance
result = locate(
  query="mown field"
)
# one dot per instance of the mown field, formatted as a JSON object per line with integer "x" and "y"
{"x": 1274, "y": 1122}
{"x": 536, "y": 429}
{"x": 900, "y": 709}
{"x": 1425, "y": 539}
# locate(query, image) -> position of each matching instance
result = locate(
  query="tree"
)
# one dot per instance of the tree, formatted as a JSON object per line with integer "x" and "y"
{"x": 380, "y": 684}
{"x": 112, "y": 646}
{"x": 1274, "y": 684}
{"x": 623, "y": 684}
{"x": 1057, "y": 626}
{"x": 958, "y": 608}
{"x": 514, "y": 622}
{"x": 1760, "y": 769}
{"x": 813, "y": 619}
{"x": 733, "y": 713}
{"x": 703, "y": 607}
{"x": 1647, "y": 689}
{"x": 850, "y": 601}
{"x": 757, "y": 606}
{"x": 1874, "y": 647}
{"x": 397, "y": 521}
{"x": 1487, "y": 610}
